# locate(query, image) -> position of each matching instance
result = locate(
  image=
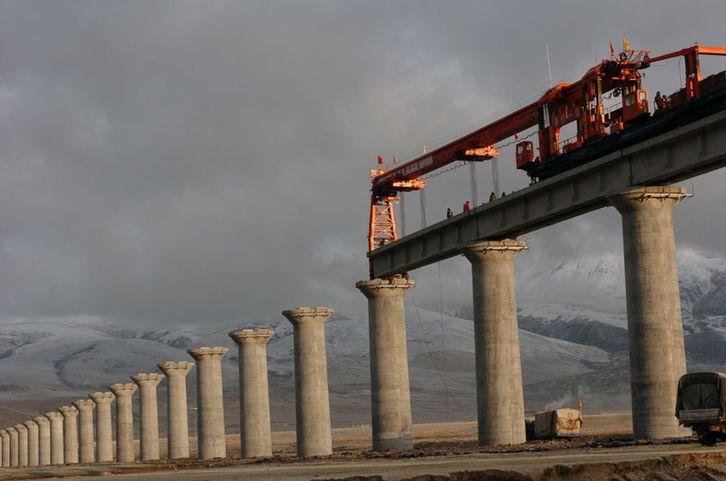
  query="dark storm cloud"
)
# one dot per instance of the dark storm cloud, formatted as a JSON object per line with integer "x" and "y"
{"x": 175, "y": 161}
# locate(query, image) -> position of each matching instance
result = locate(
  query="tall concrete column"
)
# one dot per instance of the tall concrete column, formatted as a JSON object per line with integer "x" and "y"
{"x": 104, "y": 428}
{"x": 5, "y": 436}
{"x": 390, "y": 392}
{"x": 312, "y": 402}
{"x": 56, "y": 437}
{"x": 14, "y": 455}
{"x": 177, "y": 416}
{"x": 32, "y": 428}
{"x": 499, "y": 393}
{"x": 70, "y": 434}
{"x": 655, "y": 328}
{"x": 43, "y": 440}
{"x": 22, "y": 444}
{"x": 85, "y": 420}
{"x": 125, "y": 451}
{"x": 254, "y": 397}
{"x": 149, "y": 413}
{"x": 210, "y": 402}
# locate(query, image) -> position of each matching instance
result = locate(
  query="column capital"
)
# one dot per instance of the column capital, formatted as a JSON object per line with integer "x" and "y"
{"x": 491, "y": 249}
{"x": 54, "y": 416}
{"x": 41, "y": 421}
{"x": 4, "y": 433}
{"x": 68, "y": 411}
{"x": 102, "y": 397}
{"x": 148, "y": 379}
{"x": 636, "y": 198}
{"x": 200, "y": 353}
{"x": 252, "y": 335}
{"x": 175, "y": 368}
{"x": 388, "y": 286}
{"x": 123, "y": 389}
{"x": 20, "y": 427}
{"x": 30, "y": 424}
{"x": 11, "y": 430}
{"x": 85, "y": 404}
{"x": 301, "y": 315}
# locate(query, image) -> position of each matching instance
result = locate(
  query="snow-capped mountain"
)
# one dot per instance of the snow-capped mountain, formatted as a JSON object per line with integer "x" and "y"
{"x": 572, "y": 333}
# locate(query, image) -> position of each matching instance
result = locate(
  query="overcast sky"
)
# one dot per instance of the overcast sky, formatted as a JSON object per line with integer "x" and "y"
{"x": 178, "y": 161}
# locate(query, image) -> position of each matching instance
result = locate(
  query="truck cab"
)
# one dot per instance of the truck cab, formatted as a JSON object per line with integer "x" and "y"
{"x": 701, "y": 404}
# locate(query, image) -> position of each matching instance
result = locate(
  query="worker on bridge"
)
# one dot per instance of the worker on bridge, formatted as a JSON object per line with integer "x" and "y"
{"x": 449, "y": 213}
{"x": 659, "y": 100}
{"x": 466, "y": 206}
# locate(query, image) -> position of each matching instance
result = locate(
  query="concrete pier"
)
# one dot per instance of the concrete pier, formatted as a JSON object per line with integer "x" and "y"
{"x": 210, "y": 402}
{"x": 390, "y": 391}
{"x": 176, "y": 404}
{"x": 104, "y": 428}
{"x": 149, "y": 414}
{"x": 43, "y": 440}
{"x": 5, "y": 436}
{"x": 14, "y": 455}
{"x": 32, "y": 428}
{"x": 22, "y": 444}
{"x": 499, "y": 392}
{"x": 56, "y": 437}
{"x": 70, "y": 434}
{"x": 85, "y": 420}
{"x": 254, "y": 397}
{"x": 655, "y": 328}
{"x": 125, "y": 451}
{"x": 312, "y": 402}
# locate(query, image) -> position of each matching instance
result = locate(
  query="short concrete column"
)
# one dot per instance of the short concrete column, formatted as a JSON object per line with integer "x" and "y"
{"x": 56, "y": 437}
{"x": 85, "y": 420}
{"x": 210, "y": 402}
{"x": 43, "y": 440}
{"x": 254, "y": 397}
{"x": 14, "y": 455}
{"x": 22, "y": 444}
{"x": 5, "y": 435}
{"x": 177, "y": 416}
{"x": 655, "y": 328}
{"x": 70, "y": 434}
{"x": 149, "y": 413}
{"x": 499, "y": 392}
{"x": 104, "y": 428}
{"x": 125, "y": 451}
{"x": 390, "y": 391}
{"x": 312, "y": 402}
{"x": 32, "y": 428}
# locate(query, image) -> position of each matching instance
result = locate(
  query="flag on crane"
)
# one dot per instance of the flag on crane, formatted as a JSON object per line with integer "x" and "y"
{"x": 626, "y": 44}
{"x": 612, "y": 51}
{"x": 380, "y": 160}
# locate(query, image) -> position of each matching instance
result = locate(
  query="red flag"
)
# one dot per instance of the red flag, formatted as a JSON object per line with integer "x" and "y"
{"x": 516, "y": 137}
{"x": 612, "y": 51}
{"x": 380, "y": 160}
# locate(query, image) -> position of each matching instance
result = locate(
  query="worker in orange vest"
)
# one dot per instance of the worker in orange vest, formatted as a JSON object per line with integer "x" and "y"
{"x": 466, "y": 206}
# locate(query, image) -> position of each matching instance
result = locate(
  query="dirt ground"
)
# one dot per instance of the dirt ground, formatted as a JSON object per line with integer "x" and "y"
{"x": 443, "y": 451}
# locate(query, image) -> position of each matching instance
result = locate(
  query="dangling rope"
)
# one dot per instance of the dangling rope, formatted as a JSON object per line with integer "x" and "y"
{"x": 443, "y": 340}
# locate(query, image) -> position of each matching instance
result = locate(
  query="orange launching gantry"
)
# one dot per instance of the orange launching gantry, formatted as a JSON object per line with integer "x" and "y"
{"x": 580, "y": 102}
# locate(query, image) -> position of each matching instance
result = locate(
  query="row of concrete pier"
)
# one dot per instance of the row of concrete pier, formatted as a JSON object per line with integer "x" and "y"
{"x": 657, "y": 359}
{"x": 69, "y": 436}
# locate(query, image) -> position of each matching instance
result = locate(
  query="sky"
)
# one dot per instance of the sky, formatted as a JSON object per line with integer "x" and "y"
{"x": 169, "y": 162}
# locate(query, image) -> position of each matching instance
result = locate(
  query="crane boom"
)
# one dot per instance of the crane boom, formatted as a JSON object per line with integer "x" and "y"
{"x": 580, "y": 102}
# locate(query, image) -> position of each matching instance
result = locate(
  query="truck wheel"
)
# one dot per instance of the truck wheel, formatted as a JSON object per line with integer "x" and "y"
{"x": 708, "y": 438}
